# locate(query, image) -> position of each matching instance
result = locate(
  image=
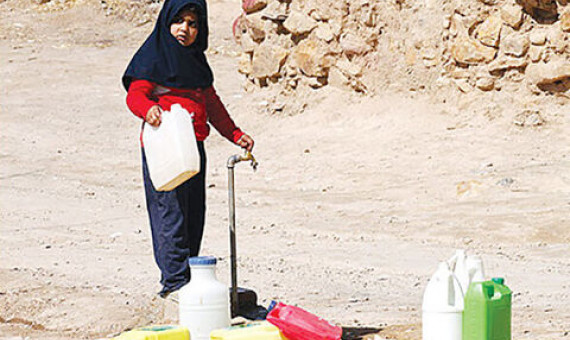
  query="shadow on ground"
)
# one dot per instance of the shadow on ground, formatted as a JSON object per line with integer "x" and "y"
{"x": 356, "y": 333}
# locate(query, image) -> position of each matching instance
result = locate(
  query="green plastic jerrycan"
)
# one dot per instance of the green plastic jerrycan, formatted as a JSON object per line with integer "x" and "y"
{"x": 487, "y": 313}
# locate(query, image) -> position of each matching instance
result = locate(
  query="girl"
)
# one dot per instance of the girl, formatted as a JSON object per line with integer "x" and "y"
{"x": 169, "y": 68}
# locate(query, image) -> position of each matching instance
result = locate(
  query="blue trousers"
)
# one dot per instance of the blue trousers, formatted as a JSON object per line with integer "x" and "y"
{"x": 177, "y": 224}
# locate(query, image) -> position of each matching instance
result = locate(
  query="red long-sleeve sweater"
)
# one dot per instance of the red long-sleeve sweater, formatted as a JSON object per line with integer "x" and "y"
{"x": 204, "y": 103}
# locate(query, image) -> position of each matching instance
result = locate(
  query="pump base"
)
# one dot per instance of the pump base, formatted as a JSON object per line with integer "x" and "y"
{"x": 247, "y": 305}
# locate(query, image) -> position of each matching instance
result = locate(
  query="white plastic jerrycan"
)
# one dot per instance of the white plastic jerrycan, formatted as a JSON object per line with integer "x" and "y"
{"x": 467, "y": 269}
{"x": 204, "y": 303}
{"x": 171, "y": 150}
{"x": 442, "y": 308}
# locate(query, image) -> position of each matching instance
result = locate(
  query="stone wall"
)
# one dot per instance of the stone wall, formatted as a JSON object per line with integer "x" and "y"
{"x": 370, "y": 45}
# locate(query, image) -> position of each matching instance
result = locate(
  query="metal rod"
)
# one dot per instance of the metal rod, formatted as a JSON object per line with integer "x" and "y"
{"x": 233, "y": 250}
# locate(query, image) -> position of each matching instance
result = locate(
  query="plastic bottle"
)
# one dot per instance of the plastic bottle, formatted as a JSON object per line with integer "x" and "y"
{"x": 467, "y": 269}
{"x": 171, "y": 150}
{"x": 252, "y": 331}
{"x": 166, "y": 332}
{"x": 442, "y": 306}
{"x": 298, "y": 324}
{"x": 487, "y": 314}
{"x": 204, "y": 301}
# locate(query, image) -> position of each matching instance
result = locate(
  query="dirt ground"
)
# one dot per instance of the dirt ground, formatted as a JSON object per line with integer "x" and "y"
{"x": 354, "y": 203}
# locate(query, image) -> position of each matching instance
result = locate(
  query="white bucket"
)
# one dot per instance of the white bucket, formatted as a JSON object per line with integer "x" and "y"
{"x": 442, "y": 307}
{"x": 467, "y": 269}
{"x": 204, "y": 303}
{"x": 171, "y": 150}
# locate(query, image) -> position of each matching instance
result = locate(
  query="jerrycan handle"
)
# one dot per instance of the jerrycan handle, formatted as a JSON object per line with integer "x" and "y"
{"x": 489, "y": 290}
{"x": 452, "y": 262}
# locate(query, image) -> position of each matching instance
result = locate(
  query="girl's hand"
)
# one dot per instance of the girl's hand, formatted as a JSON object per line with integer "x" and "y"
{"x": 246, "y": 142}
{"x": 153, "y": 116}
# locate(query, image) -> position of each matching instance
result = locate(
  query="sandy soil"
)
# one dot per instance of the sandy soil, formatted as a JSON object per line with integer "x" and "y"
{"x": 354, "y": 203}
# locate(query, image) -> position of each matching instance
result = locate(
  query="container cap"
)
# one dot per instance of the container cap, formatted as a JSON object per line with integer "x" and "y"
{"x": 498, "y": 280}
{"x": 202, "y": 261}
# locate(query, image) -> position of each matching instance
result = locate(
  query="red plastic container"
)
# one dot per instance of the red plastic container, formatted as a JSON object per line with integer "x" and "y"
{"x": 298, "y": 324}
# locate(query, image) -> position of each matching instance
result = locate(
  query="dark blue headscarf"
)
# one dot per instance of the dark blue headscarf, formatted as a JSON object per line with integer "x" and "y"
{"x": 163, "y": 60}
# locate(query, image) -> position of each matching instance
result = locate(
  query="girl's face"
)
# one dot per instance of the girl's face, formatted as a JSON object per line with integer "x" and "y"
{"x": 184, "y": 27}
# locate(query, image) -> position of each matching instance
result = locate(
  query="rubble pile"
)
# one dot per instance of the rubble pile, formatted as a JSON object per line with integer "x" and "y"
{"x": 524, "y": 42}
{"x": 368, "y": 45}
{"x": 307, "y": 42}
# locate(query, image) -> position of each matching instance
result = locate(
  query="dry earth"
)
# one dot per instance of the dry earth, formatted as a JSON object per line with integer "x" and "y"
{"x": 354, "y": 203}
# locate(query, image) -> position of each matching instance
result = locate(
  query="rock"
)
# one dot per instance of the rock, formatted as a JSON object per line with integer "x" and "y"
{"x": 324, "y": 10}
{"x": 252, "y": 6}
{"x": 247, "y": 44}
{"x": 324, "y": 32}
{"x": 537, "y": 37}
{"x": 352, "y": 44}
{"x": 337, "y": 78}
{"x": 547, "y": 55}
{"x": 429, "y": 53}
{"x": 505, "y": 63}
{"x": 429, "y": 57}
{"x": 349, "y": 68}
{"x": 315, "y": 83}
{"x": 557, "y": 41}
{"x": 471, "y": 52}
{"x": 255, "y": 27}
{"x": 310, "y": 57}
{"x": 430, "y": 62}
{"x": 485, "y": 83}
{"x": 540, "y": 9}
{"x": 505, "y": 182}
{"x": 460, "y": 74}
{"x": 298, "y": 23}
{"x": 565, "y": 21}
{"x": 292, "y": 83}
{"x": 546, "y": 76}
{"x": 244, "y": 64}
{"x": 489, "y": 31}
{"x": 446, "y": 23}
{"x": 463, "y": 85}
{"x": 336, "y": 27}
{"x": 368, "y": 16}
{"x": 535, "y": 53}
{"x": 512, "y": 15}
{"x": 267, "y": 60}
{"x": 515, "y": 45}
{"x": 275, "y": 10}
{"x": 529, "y": 118}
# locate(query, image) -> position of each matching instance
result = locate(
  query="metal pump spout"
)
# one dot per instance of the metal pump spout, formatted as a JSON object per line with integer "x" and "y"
{"x": 238, "y": 158}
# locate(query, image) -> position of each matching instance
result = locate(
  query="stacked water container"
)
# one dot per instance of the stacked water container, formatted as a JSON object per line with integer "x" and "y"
{"x": 459, "y": 304}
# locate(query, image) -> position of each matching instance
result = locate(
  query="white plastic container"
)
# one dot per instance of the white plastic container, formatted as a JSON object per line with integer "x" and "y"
{"x": 442, "y": 308}
{"x": 171, "y": 150}
{"x": 204, "y": 303}
{"x": 467, "y": 269}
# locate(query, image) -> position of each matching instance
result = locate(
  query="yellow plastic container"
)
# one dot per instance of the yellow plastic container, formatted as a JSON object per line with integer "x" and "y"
{"x": 252, "y": 331}
{"x": 156, "y": 333}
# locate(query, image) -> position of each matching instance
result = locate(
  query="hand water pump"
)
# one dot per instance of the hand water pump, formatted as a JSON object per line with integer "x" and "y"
{"x": 243, "y": 301}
